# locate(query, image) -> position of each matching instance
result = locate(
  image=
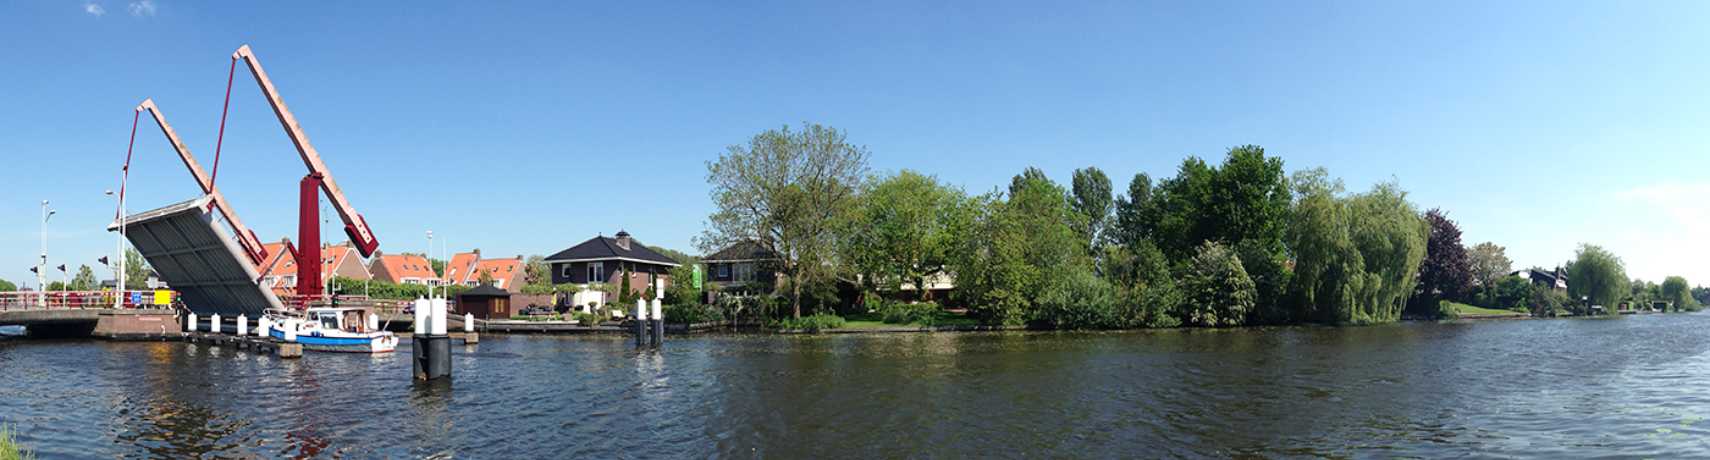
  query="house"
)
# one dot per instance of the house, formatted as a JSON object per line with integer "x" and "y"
{"x": 507, "y": 274}
{"x": 404, "y": 269}
{"x": 1539, "y": 277}
{"x": 601, "y": 260}
{"x": 467, "y": 268}
{"x": 458, "y": 269}
{"x": 745, "y": 265}
{"x": 279, "y": 270}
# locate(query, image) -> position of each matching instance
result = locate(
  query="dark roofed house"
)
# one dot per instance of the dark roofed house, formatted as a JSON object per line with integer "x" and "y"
{"x": 1548, "y": 279}
{"x": 601, "y": 260}
{"x": 486, "y": 302}
{"x": 744, "y": 265}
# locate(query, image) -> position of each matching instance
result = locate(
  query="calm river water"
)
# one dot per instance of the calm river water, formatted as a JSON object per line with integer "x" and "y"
{"x": 1628, "y": 387}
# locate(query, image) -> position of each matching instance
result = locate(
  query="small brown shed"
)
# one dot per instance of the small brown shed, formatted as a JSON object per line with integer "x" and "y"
{"x": 486, "y": 302}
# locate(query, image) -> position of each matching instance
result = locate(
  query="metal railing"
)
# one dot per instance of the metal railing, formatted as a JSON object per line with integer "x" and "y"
{"x": 66, "y": 300}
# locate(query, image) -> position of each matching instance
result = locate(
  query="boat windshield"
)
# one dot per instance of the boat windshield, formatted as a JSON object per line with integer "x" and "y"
{"x": 328, "y": 320}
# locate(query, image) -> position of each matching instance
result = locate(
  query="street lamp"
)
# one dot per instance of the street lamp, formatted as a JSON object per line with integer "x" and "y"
{"x": 425, "y": 255}
{"x": 119, "y": 250}
{"x": 41, "y": 267}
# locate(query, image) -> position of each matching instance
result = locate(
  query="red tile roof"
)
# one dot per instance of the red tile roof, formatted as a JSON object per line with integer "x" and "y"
{"x": 461, "y": 267}
{"x": 502, "y": 271}
{"x": 399, "y": 267}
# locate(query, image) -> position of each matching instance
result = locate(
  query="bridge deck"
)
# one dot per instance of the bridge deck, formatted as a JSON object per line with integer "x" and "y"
{"x": 195, "y": 255}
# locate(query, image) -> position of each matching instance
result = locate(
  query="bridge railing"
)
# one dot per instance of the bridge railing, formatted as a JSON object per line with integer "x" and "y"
{"x": 63, "y": 300}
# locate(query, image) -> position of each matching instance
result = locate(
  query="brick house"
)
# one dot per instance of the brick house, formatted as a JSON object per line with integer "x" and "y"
{"x": 603, "y": 259}
{"x": 742, "y": 266}
{"x": 466, "y": 269}
{"x": 279, "y": 270}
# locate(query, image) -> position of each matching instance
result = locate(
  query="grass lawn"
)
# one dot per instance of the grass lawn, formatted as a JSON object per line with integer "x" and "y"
{"x": 1469, "y": 310}
{"x": 874, "y": 321}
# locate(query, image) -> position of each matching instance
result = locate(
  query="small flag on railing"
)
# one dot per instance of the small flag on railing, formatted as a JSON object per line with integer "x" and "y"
{"x": 104, "y": 260}
{"x": 62, "y": 268}
{"x": 33, "y": 270}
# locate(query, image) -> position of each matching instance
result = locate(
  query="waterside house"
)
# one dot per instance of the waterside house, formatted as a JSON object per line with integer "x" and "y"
{"x": 602, "y": 260}
{"x": 468, "y": 268}
{"x": 742, "y": 267}
{"x": 1547, "y": 279}
{"x": 404, "y": 269}
{"x": 279, "y": 271}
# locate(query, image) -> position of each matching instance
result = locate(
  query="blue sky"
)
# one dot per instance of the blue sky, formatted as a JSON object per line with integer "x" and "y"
{"x": 524, "y": 128}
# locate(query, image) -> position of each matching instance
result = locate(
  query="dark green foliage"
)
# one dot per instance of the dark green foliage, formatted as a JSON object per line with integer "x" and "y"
{"x": 1131, "y": 225}
{"x": 1076, "y": 300}
{"x": 681, "y": 289}
{"x": 385, "y": 290}
{"x": 1271, "y": 276}
{"x": 903, "y": 230}
{"x": 1246, "y": 198}
{"x": 893, "y": 312}
{"x": 1446, "y": 272}
{"x": 1512, "y": 293}
{"x": 1014, "y": 245}
{"x": 1092, "y": 200}
{"x": 1217, "y": 290}
{"x": 692, "y": 313}
{"x": 7, "y": 286}
{"x": 1145, "y": 289}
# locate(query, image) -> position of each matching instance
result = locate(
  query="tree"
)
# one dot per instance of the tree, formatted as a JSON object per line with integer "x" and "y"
{"x": 438, "y": 266}
{"x": 1246, "y": 198}
{"x": 85, "y": 279}
{"x": 136, "y": 270}
{"x": 1356, "y": 257}
{"x": 1597, "y": 275}
{"x": 1013, "y": 248}
{"x": 1131, "y": 226}
{"x": 1678, "y": 293}
{"x": 1489, "y": 263}
{"x": 1217, "y": 290}
{"x": 1446, "y": 271}
{"x": 536, "y": 272}
{"x": 484, "y": 277}
{"x": 1146, "y": 292}
{"x": 1092, "y": 199}
{"x": 904, "y": 228}
{"x": 784, "y": 191}
{"x": 1511, "y": 292}
{"x": 7, "y": 286}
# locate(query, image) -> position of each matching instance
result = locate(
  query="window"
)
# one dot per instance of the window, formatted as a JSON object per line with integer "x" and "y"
{"x": 745, "y": 272}
{"x": 564, "y": 271}
{"x": 596, "y": 272}
{"x": 724, "y": 271}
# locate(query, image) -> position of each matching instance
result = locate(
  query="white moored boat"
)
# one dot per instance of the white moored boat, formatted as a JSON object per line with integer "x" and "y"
{"x": 340, "y": 329}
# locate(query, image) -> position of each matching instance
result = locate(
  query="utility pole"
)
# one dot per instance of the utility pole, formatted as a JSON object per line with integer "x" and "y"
{"x": 119, "y": 272}
{"x": 425, "y": 256}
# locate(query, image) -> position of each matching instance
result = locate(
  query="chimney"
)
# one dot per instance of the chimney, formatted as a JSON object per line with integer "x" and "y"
{"x": 623, "y": 239}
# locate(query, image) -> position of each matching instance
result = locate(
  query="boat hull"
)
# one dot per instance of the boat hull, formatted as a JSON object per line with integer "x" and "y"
{"x": 315, "y": 341}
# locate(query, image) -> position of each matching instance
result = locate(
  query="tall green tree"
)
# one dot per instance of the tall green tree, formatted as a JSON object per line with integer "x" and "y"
{"x": 785, "y": 191}
{"x": 1015, "y": 244}
{"x": 1131, "y": 227}
{"x": 1446, "y": 271}
{"x": 904, "y": 228}
{"x": 536, "y": 272}
{"x": 7, "y": 286}
{"x": 1489, "y": 262}
{"x": 84, "y": 280}
{"x": 1678, "y": 293}
{"x": 1356, "y": 257}
{"x": 1092, "y": 199}
{"x": 136, "y": 270}
{"x": 1596, "y": 275}
{"x": 1216, "y": 288}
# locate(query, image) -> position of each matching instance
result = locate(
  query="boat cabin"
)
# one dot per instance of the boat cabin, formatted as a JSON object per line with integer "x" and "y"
{"x": 341, "y": 319}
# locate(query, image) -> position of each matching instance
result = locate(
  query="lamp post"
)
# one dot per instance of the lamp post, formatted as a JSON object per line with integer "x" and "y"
{"x": 41, "y": 267}
{"x": 119, "y": 248}
{"x": 425, "y": 255}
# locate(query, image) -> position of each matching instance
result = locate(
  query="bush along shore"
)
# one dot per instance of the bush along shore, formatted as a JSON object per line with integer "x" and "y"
{"x": 1235, "y": 243}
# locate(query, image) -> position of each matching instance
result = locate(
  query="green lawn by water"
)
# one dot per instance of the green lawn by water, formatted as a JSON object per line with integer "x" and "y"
{"x": 1469, "y": 310}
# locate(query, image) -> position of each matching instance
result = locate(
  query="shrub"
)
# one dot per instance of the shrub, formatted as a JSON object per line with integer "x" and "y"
{"x": 588, "y": 319}
{"x": 812, "y": 323}
{"x": 1217, "y": 290}
{"x": 1077, "y": 300}
{"x": 1146, "y": 293}
{"x": 924, "y": 313}
{"x": 692, "y": 313}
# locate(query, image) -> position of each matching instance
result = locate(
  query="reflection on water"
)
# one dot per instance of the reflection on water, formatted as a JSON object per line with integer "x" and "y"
{"x": 1637, "y": 387}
